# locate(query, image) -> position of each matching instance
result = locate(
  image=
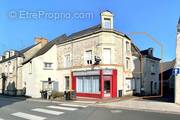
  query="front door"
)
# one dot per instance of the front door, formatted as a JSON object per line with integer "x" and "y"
{"x": 107, "y": 88}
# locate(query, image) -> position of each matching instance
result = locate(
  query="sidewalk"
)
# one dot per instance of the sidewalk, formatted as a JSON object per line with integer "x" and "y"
{"x": 143, "y": 105}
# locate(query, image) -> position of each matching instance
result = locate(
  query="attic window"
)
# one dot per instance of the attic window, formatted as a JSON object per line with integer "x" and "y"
{"x": 107, "y": 23}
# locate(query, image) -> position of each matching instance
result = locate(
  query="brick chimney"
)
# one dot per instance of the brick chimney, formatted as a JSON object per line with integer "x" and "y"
{"x": 41, "y": 40}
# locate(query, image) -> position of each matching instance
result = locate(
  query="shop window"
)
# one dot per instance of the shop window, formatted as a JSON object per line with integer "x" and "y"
{"x": 88, "y": 84}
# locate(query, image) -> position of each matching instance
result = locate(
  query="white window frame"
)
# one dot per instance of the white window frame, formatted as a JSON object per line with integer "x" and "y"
{"x": 107, "y": 23}
{"x": 88, "y": 58}
{"x": 130, "y": 84}
{"x": 67, "y": 63}
{"x": 105, "y": 61}
{"x": 128, "y": 47}
{"x": 127, "y": 63}
{"x": 48, "y": 65}
{"x": 152, "y": 68}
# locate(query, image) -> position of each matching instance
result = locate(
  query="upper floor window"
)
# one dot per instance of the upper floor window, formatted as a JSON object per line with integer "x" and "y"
{"x": 67, "y": 61}
{"x": 153, "y": 69}
{"x": 48, "y": 65}
{"x": 88, "y": 57}
{"x": 107, "y": 23}
{"x": 127, "y": 47}
{"x": 107, "y": 56}
{"x": 127, "y": 63}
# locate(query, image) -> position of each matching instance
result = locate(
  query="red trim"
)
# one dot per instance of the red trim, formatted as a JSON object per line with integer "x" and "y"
{"x": 73, "y": 81}
{"x": 102, "y": 83}
{"x": 114, "y": 84}
{"x": 93, "y": 95}
{"x": 108, "y": 78}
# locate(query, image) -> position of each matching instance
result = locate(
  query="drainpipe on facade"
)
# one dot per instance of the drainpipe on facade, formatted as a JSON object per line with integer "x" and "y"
{"x": 16, "y": 74}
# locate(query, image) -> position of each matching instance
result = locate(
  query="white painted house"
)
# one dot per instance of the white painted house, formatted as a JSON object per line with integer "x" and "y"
{"x": 41, "y": 67}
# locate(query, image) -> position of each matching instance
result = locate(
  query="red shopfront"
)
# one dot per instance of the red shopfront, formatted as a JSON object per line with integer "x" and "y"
{"x": 95, "y": 83}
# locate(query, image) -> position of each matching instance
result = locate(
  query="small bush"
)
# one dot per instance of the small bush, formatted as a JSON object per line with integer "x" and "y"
{"x": 56, "y": 94}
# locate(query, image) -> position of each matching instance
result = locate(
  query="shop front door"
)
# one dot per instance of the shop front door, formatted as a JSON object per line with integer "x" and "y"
{"x": 107, "y": 88}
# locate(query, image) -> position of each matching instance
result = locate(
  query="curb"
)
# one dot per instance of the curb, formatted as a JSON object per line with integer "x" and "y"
{"x": 136, "y": 109}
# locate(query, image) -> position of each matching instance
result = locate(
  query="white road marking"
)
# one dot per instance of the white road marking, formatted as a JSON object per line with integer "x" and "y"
{"x": 63, "y": 108}
{"x": 28, "y": 116}
{"x": 1, "y": 119}
{"x": 73, "y": 105}
{"x": 91, "y": 102}
{"x": 47, "y": 111}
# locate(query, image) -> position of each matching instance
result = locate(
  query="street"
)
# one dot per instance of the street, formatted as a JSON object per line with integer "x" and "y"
{"x": 20, "y": 109}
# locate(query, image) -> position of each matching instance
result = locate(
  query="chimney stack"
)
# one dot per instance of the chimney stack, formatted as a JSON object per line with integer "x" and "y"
{"x": 41, "y": 40}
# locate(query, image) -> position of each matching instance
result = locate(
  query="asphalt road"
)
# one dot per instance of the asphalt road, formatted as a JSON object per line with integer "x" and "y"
{"x": 16, "y": 109}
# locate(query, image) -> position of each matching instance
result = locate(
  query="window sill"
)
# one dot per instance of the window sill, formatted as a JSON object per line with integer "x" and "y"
{"x": 48, "y": 68}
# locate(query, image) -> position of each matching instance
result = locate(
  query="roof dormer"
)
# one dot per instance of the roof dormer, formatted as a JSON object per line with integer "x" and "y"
{"x": 107, "y": 20}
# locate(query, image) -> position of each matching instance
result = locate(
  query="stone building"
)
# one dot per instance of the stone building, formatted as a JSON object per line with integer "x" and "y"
{"x": 150, "y": 73}
{"x": 11, "y": 82}
{"x": 145, "y": 72}
{"x": 177, "y": 78}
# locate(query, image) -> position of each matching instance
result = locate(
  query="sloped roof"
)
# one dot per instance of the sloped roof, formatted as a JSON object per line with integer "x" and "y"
{"x": 19, "y": 53}
{"x": 56, "y": 41}
{"x": 145, "y": 53}
{"x": 48, "y": 46}
{"x": 167, "y": 65}
{"x": 135, "y": 50}
{"x": 63, "y": 38}
{"x": 86, "y": 31}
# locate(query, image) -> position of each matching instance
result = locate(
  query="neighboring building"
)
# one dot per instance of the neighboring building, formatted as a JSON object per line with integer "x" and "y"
{"x": 137, "y": 70}
{"x": 177, "y": 78}
{"x": 40, "y": 68}
{"x": 168, "y": 78}
{"x": 11, "y": 82}
{"x": 151, "y": 70}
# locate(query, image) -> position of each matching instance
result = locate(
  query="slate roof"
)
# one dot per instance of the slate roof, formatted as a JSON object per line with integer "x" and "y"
{"x": 48, "y": 46}
{"x": 145, "y": 53}
{"x": 63, "y": 39}
{"x": 18, "y": 53}
{"x": 135, "y": 50}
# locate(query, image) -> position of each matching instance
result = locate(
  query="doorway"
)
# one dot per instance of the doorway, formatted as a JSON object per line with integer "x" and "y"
{"x": 151, "y": 87}
{"x": 107, "y": 88}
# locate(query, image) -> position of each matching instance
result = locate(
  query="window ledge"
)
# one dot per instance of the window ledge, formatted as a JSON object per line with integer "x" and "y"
{"x": 48, "y": 68}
